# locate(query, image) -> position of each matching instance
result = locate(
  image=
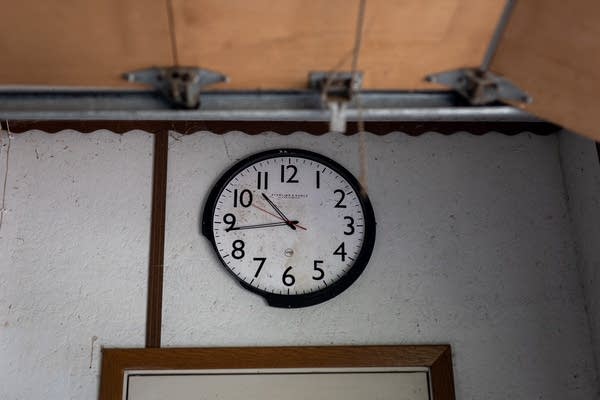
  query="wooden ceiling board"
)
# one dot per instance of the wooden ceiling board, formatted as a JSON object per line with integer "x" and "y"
{"x": 405, "y": 40}
{"x": 263, "y": 44}
{"x": 81, "y": 42}
{"x": 551, "y": 49}
{"x": 260, "y": 44}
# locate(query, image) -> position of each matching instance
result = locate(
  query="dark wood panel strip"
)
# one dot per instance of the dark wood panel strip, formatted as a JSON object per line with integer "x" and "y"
{"x": 157, "y": 240}
{"x": 413, "y": 128}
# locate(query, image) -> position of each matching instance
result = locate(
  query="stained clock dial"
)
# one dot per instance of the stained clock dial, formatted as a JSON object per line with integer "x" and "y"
{"x": 290, "y": 225}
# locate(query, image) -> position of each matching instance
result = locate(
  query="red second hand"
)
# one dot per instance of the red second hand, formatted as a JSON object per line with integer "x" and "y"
{"x": 275, "y": 215}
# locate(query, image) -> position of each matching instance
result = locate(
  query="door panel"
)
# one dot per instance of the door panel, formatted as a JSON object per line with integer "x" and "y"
{"x": 551, "y": 49}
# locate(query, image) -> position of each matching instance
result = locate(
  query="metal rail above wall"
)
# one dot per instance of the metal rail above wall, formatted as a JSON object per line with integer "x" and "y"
{"x": 305, "y": 105}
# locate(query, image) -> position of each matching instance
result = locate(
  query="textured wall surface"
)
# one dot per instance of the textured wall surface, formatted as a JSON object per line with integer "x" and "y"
{"x": 474, "y": 248}
{"x": 582, "y": 176}
{"x": 73, "y": 259}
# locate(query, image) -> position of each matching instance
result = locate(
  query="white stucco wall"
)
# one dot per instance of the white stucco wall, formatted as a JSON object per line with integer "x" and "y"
{"x": 73, "y": 259}
{"x": 474, "y": 248}
{"x": 582, "y": 177}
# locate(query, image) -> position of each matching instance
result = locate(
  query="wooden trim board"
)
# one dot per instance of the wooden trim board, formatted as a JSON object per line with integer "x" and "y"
{"x": 413, "y": 128}
{"x": 157, "y": 240}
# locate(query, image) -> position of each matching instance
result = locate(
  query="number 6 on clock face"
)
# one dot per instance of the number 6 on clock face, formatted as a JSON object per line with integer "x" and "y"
{"x": 290, "y": 225}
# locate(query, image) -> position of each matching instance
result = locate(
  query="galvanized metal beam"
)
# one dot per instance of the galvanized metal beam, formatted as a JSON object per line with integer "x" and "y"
{"x": 305, "y": 105}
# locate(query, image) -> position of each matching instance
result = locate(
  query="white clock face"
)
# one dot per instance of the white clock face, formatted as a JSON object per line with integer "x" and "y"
{"x": 289, "y": 225}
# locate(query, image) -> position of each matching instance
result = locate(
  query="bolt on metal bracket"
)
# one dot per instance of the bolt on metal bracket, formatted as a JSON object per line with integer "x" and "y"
{"x": 181, "y": 86}
{"x": 480, "y": 87}
{"x": 337, "y": 90}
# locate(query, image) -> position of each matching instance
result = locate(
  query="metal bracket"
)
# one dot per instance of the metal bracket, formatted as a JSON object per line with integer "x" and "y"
{"x": 337, "y": 90}
{"x": 335, "y": 86}
{"x": 480, "y": 87}
{"x": 180, "y": 85}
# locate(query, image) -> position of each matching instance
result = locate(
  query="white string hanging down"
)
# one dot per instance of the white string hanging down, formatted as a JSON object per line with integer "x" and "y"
{"x": 5, "y": 180}
{"x": 338, "y": 109}
{"x": 362, "y": 144}
{"x": 172, "y": 32}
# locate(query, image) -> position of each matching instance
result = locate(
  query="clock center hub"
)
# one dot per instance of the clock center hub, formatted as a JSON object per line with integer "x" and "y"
{"x": 288, "y": 252}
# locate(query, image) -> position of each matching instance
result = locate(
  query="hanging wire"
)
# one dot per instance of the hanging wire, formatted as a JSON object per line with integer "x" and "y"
{"x": 358, "y": 35}
{"x": 2, "y": 209}
{"x": 172, "y": 35}
{"x": 355, "y": 53}
{"x": 362, "y": 144}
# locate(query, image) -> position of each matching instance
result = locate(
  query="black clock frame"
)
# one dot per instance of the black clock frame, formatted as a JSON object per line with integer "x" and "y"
{"x": 330, "y": 291}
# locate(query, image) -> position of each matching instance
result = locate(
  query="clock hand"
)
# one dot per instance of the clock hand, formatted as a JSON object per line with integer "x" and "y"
{"x": 274, "y": 215}
{"x": 278, "y": 211}
{"x": 236, "y": 228}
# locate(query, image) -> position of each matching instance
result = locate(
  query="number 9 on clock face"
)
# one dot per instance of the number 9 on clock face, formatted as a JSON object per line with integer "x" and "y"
{"x": 290, "y": 225}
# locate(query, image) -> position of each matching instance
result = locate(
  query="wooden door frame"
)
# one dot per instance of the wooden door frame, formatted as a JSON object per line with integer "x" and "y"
{"x": 437, "y": 358}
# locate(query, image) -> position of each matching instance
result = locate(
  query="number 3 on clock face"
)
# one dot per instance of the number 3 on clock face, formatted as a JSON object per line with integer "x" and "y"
{"x": 290, "y": 225}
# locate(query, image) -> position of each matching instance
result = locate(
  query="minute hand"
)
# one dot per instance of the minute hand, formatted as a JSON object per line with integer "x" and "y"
{"x": 278, "y": 211}
{"x": 271, "y": 224}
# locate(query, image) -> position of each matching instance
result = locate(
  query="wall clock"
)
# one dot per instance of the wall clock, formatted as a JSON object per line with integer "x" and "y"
{"x": 290, "y": 225}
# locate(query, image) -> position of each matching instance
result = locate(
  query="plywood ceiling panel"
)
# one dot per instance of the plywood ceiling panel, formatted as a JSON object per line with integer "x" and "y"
{"x": 551, "y": 48}
{"x": 81, "y": 42}
{"x": 264, "y": 44}
{"x": 260, "y": 44}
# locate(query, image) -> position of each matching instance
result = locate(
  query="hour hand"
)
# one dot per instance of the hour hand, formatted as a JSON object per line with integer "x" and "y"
{"x": 278, "y": 211}
{"x": 271, "y": 224}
